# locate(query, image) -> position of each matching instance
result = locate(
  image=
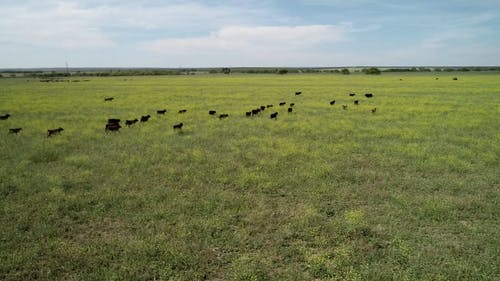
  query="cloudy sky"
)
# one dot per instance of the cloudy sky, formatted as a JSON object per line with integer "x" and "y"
{"x": 203, "y": 33}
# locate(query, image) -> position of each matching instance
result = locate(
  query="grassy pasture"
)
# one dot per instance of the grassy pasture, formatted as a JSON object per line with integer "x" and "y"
{"x": 411, "y": 192}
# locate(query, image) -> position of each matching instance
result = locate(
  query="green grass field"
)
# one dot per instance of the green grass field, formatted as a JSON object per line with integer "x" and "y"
{"x": 411, "y": 192}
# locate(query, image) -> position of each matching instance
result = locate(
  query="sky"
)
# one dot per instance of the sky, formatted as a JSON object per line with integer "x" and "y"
{"x": 253, "y": 33}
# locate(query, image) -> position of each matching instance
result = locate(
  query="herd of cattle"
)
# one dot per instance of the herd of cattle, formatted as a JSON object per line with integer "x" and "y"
{"x": 113, "y": 124}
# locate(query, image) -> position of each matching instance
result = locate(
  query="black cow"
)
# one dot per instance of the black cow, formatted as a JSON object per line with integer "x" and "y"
{"x": 145, "y": 118}
{"x": 113, "y": 120}
{"x": 455, "y": 78}
{"x": 298, "y": 93}
{"x": 262, "y": 108}
{"x": 161, "y": 111}
{"x": 332, "y": 102}
{"x": 374, "y": 110}
{"x": 108, "y": 99}
{"x": 15, "y": 130}
{"x": 356, "y": 102}
{"x": 112, "y": 127}
{"x": 5, "y": 117}
{"x": 255, "y": 111}
{"x": 282, "y": 103}
{"x": 352, "y": 94}
{"x": 369, "y": 95}
{"x": 290, "y": 110}
{"x": 212, "y": 112}
{"x": 131, "y": 122}
{"x": 248, "y": 113}
{"x": 51, "y": 132}
{"x": 292, "y": 104}
{"x": 178, "y": 126}
{"x": 269, "y": 105}
{"x": 183, "y": 111}
{"x": 222, "y": 116}
{"x": 274, "y": 115}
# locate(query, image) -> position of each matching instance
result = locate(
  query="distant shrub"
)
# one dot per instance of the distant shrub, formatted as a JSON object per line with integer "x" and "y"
{"x": 371, "y": 70}
{"x": 282, "y": 71}
{"x": 345, "y": 71}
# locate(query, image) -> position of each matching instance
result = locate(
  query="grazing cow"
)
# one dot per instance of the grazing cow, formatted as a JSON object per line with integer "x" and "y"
{"x": 332, "y": 102}
{"x": 292, "y": 104}
{"x": 290, "y": 110}
{"x": 161, "y": 111}
{"x": 15, "y": 130}
{"x": 255, "y": 111}
{"x": 222, "y": 116}
{"x": 178, "y": 126}
{"x": 113, "y": 120}
{"x": 274, "y": 115}
{"x": 108, "y": 99}
{"x": 344, "y": 106}
{"x": 5, "y": 117}
{"x": 282, "y": 103}
{"x": 298, "y": 93}
{"x": 212, "y": 112}
{"x": 352, "y": 94}
{"x": 455, "y": 78}
{"x": 262, "y": 108}
{"x": 356, "y": 102}
{"x": 112, "y": 127}
{"x": 131, "y": 122}
{"x": 51, "y": 132}
{"x": 248, "y": 113}
{"x": 269, "y": 105}
{"x": 374, "y": 110}
{"x": 183, "y": 111}
{"x": 145, "y": 118}
{"x": 369, "y": 95}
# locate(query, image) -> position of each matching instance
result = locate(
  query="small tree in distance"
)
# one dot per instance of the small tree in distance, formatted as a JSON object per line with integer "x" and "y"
{"x": 371, "y": 70}
{"x": 226, "y": 70}
{"x": 345, "y": 71}
{"x": 282, "y": 71}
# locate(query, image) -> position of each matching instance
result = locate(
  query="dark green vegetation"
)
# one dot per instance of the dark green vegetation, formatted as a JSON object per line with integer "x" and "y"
{"x": 48, "y": 74}
{"x": 410, "y": 192}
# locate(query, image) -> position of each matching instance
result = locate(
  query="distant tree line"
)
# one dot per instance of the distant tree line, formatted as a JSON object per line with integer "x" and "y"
{"x": 226, "y": 70}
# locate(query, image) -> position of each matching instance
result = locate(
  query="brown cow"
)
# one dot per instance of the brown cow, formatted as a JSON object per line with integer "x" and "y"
{"x": 131, "y": 122}
{"x": 15, "y": 130}
{"x": 112, "y": 127}
{"x": 51, "y": 132}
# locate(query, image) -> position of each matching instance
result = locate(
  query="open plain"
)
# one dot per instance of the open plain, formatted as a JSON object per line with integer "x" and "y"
{"x": 410, "y": 191}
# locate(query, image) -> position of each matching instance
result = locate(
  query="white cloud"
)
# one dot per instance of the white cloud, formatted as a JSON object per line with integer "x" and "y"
{"x": 189, "y": 16}
{"x": 257, "y": 44}
{"x": 60, "y": 24}
{"x": 71, "y": 24}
